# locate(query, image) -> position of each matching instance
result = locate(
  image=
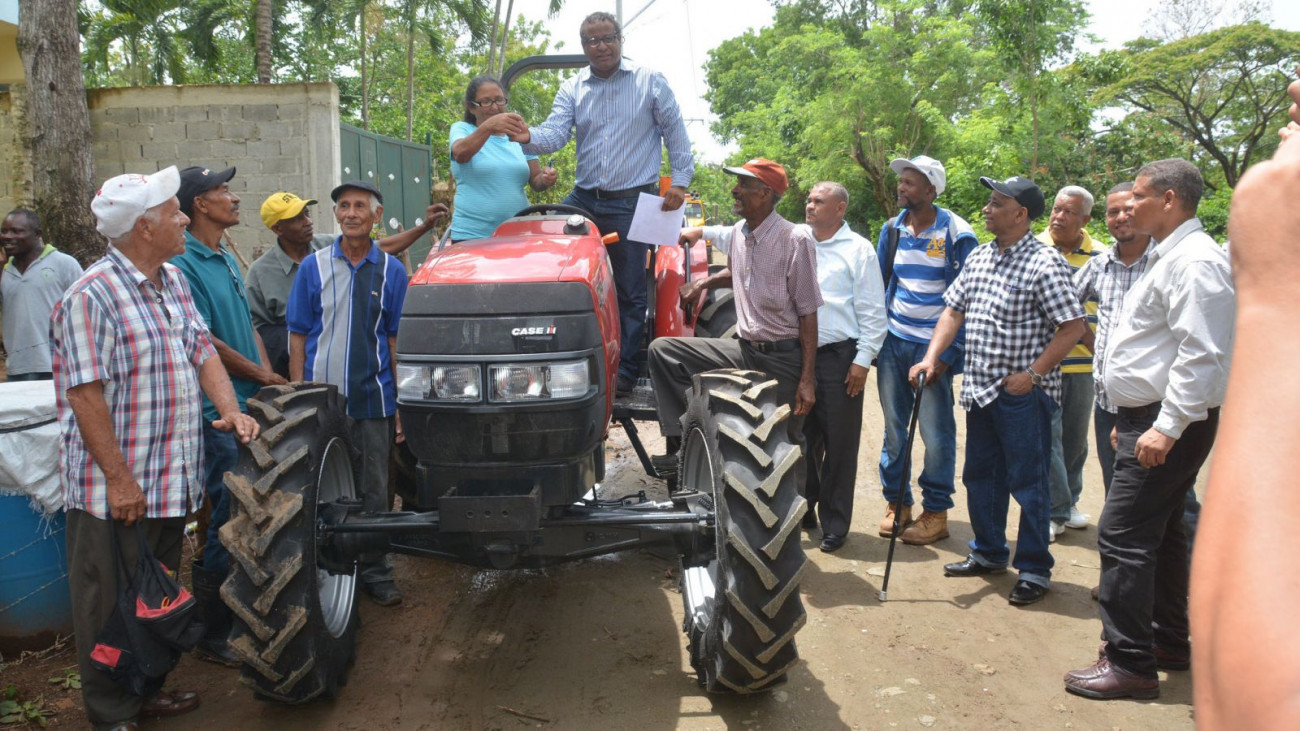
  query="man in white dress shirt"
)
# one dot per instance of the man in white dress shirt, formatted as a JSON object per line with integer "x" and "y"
{"x": 850, "y": 329}
{"x": 1166, "y": 372}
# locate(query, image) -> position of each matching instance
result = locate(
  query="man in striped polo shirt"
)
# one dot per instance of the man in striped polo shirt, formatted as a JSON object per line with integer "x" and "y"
{"x": 1066, "y": 233}
{"x": 343, "y": 313}
{"x": 623, "y": 116}
{"x": 921, "y": 251}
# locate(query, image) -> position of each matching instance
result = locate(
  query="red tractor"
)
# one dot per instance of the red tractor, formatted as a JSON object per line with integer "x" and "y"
{"x": 507, "y": 355}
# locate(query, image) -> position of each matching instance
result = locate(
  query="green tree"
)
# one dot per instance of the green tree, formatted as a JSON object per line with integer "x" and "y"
{"x": 134, "y": 42}
{"x": 1222, "y": 91}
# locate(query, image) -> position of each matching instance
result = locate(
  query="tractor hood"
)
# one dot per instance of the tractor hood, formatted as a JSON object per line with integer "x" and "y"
{"x": 533, "y": 254}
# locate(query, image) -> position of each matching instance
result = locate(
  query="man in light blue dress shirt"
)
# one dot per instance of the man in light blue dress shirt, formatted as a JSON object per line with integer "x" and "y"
{"x": 623, "y": 116}
{"x": 850, "y": 330}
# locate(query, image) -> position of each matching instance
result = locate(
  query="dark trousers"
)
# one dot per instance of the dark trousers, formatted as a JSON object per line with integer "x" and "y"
{"x": 1008, "y": 444}
{"x": 614, "y": 215}
{"x": 276, "y": 340}
{"x": 833, "y": 431}
{"x": 674, "y": 360}
{"x": 220, "y": 454}
{"x": 92, "y": 583}
{"x": 1143, "y": 543}
{"x": 374, "y": 441}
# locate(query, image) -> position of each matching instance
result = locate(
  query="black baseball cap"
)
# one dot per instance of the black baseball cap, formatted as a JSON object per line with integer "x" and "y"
{"x": 359, "y": 185}
{"x": 1025, "y": 191}
{"x": 195, "y": 181}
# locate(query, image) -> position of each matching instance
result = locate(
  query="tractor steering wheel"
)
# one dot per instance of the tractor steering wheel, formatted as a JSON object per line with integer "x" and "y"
{"x": 557, "y": 207}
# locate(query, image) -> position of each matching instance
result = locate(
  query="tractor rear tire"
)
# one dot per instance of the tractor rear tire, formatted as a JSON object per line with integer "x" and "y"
{"x": 718, "y": 314}
{"x": 742, "y": 600}
{"x": 295, "y": 626}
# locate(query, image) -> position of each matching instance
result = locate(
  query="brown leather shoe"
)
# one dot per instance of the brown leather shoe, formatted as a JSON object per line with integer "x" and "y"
{"x": 928, "y": 528}
{"x": 887, "y": 523}
{"x": 1107, "y": 681}
{"x": 175, "y": 703}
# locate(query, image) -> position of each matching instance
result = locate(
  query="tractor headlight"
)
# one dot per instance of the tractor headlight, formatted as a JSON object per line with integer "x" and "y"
{"x": 412, "y": 382}
{"x": 531, "y": 381}
{"x": 456, "y": 383}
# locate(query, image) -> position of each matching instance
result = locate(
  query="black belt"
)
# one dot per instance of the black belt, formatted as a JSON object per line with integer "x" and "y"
{"x": 830, "y": 347}
{"x": 778, "y": 346}
{"x": 625, "y": 193}
{"x": 1140, "y": 412}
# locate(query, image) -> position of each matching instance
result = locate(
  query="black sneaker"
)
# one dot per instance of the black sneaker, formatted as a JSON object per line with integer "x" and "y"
{"x": 383, "y": 593}
{"x": 624, "y": 386}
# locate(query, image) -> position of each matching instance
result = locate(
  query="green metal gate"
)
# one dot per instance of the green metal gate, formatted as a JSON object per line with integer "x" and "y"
{"x": 403, "y": 172}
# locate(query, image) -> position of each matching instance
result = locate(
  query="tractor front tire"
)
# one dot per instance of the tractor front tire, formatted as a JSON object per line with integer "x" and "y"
{"x": 295, "y": 626}
{"x": 742, "y": 600}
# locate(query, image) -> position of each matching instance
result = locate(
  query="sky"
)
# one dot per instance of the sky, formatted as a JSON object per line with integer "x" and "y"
{"x": 675, "y": 37}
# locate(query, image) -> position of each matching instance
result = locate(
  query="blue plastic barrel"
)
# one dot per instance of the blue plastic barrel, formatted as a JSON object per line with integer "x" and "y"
{"x": 34, "y": 603}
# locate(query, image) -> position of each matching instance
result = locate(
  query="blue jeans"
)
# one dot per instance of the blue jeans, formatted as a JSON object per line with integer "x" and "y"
{"x": 628, "y": 260}
{"x": 937, "y": 426}
{"x": 1007, "y": 447}
{"x": 219, "y": 457}
{"x": 1070, "y": 443}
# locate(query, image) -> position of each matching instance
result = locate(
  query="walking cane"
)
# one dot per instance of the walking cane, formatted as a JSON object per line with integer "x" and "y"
{"x": 907, "y": 469}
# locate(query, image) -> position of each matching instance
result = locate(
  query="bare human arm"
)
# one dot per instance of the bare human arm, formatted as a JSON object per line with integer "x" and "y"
{"x": 402, "y": 240}
{"x": 506, "y": 123}
{"x": 1244, "y": 587}
{"x": 397, "y": 416}
{"x": 297, "y": 355}
{"x": 125, "y": 498}
{"x": 216, "y": 384}
{"x": 944, "y": 333}
{"x": 540, "y": 178}
{"x": 240, "y": 367}
{"x": 806, "y": 395}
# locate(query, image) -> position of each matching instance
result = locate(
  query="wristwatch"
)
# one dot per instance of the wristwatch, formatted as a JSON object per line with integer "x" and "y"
{"x": 1035, "y": 378}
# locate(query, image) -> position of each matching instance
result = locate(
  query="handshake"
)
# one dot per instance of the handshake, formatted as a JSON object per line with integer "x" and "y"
{"x": 509, "y": 124}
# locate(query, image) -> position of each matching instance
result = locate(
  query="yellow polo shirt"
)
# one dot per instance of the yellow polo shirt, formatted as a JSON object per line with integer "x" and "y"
{"x": 1079, "y": 359}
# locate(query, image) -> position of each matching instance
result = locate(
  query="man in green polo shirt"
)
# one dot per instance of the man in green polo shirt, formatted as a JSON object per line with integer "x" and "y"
{"x": 219, "y": 295}
{"x": 271, "y": 277}
{"x": 33, "y": 281}
{"x": 1066, "y": 233}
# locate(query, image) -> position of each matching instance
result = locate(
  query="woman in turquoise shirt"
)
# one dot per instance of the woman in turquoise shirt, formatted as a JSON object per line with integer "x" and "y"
{"x": 490, "y": 169}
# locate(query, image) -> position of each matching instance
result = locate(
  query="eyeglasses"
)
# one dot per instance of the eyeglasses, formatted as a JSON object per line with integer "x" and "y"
{"x": 498, "y": 102}
{"x": 607, "y": 40}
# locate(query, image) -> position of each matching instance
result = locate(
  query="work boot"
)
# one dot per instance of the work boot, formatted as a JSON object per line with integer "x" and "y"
{"x": 887, "y": 523}
{"x": 667, "y": 465}
{"x": 216, "y": 616}
{"x": 927, "y": 529}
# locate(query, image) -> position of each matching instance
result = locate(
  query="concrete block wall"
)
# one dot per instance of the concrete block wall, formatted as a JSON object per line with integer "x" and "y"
{"x": 277, "y": 136}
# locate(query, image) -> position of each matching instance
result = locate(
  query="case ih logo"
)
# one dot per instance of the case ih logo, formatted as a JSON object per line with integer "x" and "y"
{"x": 548, "y": 330}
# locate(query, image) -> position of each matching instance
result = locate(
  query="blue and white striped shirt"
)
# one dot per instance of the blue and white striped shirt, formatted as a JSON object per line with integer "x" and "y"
{"x": 348, "y": 314}
{"x": 620, "y": 123}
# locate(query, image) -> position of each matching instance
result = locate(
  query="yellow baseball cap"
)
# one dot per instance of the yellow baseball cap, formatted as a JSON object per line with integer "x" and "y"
{"x": 282, "y": 206}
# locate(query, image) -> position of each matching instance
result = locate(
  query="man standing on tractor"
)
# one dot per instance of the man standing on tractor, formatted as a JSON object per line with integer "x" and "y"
{"x": 342, "y": 315}
{"x": 777, "y": 296}
{"x": 623, "y": 115}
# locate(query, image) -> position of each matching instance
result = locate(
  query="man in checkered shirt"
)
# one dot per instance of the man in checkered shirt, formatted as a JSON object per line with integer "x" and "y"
{"x": 1022, "y": 316}
{"x": 132, "y": 360}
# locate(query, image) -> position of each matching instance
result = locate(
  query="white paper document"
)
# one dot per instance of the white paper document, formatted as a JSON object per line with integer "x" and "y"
{"x": 653, "y": 225}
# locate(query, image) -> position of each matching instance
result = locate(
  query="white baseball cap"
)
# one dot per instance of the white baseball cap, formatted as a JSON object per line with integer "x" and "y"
{"x": 931, "y": 168}
{"x": 122, "y": 200}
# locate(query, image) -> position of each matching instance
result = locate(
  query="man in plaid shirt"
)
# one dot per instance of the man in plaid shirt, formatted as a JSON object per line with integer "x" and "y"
{"x": 1022, "y": 316}
{"x": 131, "y": 355}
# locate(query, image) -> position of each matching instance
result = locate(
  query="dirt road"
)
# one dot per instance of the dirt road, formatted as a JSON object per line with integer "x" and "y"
{"x": 597, "y": 645}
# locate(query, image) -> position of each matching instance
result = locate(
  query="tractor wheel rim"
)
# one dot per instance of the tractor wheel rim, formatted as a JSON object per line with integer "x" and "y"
{"x": 700, "y": 583}
{"x": 336, "y": 592}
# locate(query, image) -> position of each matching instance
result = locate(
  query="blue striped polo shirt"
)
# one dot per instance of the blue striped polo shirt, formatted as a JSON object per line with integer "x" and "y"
{"x": 348, "y": 313}
{"x": 919, "y": 282}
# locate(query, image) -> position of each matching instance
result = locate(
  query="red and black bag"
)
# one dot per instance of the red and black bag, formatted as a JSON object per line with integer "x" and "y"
{"x": 154, "y": 621}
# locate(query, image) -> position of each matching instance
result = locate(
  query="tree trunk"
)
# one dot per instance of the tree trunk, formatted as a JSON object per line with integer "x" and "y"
{"x": 365, "y": 88}
{"x": 55, "y": 127}
{"x": 492, "y": 44}
{"x": 410, "y": 75}
{"x": 263, "y": 41}
{"x": 505, "y": 38}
